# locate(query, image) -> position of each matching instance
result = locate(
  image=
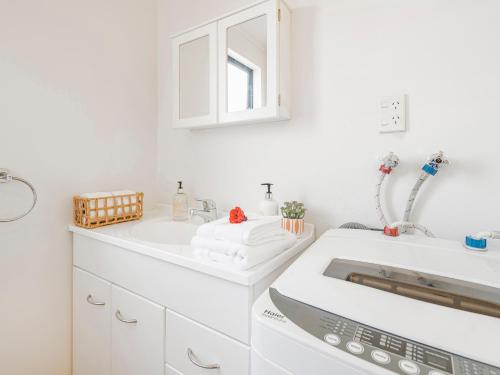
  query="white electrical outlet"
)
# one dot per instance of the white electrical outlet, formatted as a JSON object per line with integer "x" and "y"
{"x": 393, "y": 114}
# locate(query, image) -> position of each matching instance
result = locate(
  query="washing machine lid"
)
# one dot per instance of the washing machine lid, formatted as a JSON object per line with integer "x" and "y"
{"x": 439, "y": 290}
{"x": 314, "y": 280}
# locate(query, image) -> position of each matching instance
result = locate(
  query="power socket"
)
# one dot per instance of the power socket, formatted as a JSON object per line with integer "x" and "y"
{"x": 393, "y": 114}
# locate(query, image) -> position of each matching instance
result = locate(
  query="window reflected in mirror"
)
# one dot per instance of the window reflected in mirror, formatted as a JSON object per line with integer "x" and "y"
{"x": 247, "y": 65}
{"x": 194, "y": 80}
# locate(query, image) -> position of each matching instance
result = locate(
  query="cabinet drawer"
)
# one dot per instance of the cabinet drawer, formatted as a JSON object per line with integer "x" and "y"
{"x": 138, "y": 331}
{"x": 207, "y": 347}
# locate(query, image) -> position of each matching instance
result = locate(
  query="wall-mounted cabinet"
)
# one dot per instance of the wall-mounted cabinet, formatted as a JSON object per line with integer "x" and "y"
{"x": 234, "y": 70}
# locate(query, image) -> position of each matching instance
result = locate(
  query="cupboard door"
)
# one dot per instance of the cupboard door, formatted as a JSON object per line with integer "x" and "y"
{"x": 138, "y": 332}
{"x": 91, "y": 324}
{"x": 195, "y": 77}
{"x": 248, "y": 60}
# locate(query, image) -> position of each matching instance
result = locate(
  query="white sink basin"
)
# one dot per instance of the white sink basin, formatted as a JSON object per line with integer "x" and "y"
{"x": 164, "y": 231}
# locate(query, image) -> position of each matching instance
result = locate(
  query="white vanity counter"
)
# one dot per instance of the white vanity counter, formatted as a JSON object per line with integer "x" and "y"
{"x": 182, "y": 255}
{"x": 175, "y": 312}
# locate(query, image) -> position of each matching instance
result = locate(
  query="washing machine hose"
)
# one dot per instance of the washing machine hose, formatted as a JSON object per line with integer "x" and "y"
{"x": 390, "y": 162}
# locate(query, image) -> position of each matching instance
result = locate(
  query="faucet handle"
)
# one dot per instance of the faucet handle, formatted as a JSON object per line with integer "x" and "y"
{"x": 208, "y": 204}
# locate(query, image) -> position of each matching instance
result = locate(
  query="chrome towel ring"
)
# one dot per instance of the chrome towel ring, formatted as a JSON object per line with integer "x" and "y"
{"x": 5, "y": 177}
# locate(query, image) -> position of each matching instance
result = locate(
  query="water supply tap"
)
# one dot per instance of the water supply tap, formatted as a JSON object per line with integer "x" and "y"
{"x": 207, "y": 213}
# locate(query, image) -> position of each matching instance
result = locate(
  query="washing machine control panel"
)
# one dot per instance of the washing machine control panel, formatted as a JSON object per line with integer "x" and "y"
{"x": 395, "y": 353}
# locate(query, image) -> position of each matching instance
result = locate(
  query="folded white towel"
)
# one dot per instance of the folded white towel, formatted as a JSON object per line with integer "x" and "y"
{"x": 256, "y": 230}
{"x": 101, "y": 203}
{"x": 128, "y": 203}
{"x": 238, "y": 255}
{"x": 217, "y": 246}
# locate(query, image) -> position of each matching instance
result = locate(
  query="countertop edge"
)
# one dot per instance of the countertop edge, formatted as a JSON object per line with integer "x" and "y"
{"x": 244, "y": 277}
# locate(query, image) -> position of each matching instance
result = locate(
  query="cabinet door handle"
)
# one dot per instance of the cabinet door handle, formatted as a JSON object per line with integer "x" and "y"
{"x": 120, "y": 317}
{"x": 90, "y": 300}
{"x": 194, "y": 361}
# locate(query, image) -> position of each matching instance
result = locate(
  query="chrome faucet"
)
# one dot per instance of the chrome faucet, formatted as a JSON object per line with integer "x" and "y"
{"x": 209, "y": 211}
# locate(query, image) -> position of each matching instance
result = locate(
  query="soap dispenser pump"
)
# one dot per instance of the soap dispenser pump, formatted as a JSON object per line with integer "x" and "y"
{"x": 268, "y": 206}
{"x": 180, "y": 204}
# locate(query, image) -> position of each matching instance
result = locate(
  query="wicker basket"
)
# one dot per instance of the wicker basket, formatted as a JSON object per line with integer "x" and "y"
{"x": 97, "y": 212}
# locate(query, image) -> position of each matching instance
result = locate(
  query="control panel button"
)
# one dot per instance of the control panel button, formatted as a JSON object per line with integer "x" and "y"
{"x": 381, "y": 357}
{"x": 355, "y": 347}
{"x": 332, "y": 339}
{"x": 409, "y": 367}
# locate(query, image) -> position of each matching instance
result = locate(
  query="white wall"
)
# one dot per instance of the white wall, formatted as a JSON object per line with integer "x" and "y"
{"x": 78, "y": 91}
{"x": 347, "y": 54}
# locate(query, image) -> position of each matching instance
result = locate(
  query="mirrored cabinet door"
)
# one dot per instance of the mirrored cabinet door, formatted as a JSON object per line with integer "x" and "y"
{"x": 195, "y": 75}
{"x": 248, "y": 64}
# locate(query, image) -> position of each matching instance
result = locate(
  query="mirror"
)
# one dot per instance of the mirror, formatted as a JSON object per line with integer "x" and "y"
{"x": 247, "y": 65}
{"x": 194, "y": 80}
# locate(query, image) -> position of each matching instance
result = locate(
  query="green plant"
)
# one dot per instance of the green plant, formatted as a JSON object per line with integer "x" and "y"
{"x": 293, "y": 210}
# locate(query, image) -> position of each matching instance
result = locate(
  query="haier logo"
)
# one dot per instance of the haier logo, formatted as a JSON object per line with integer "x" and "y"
{"x": 274, "y": 315}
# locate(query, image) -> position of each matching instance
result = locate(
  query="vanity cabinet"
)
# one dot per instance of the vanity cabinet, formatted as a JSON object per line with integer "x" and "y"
{"x": 234, "y": 70}
{"x": 115, "y": 332}
{"x": 146, "y": 310}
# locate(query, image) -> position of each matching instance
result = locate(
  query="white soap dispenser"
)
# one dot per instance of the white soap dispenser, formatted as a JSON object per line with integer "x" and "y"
{"x": 268, "y": 206}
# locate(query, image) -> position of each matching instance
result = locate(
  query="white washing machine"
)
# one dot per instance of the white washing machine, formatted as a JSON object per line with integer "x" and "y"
{"x": 357, "y": 302}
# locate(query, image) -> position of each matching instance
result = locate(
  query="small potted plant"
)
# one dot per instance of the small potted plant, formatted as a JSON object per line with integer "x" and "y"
{"x": 293, "y": 217}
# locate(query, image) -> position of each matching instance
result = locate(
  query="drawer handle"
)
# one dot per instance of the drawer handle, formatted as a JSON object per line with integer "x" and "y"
{"x": 120, "y": 317}
{"x": 90, "y": 300}
{"x": 194, "y": 361}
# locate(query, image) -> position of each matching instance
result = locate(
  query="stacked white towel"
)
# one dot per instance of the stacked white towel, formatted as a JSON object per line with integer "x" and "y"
{"x": 101, "y": 203}
{"x": 128, "y": 201}
{"x": 111, "y": 199}
{"x": 255, "y": 231}
{"x": 242, "y": 245}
